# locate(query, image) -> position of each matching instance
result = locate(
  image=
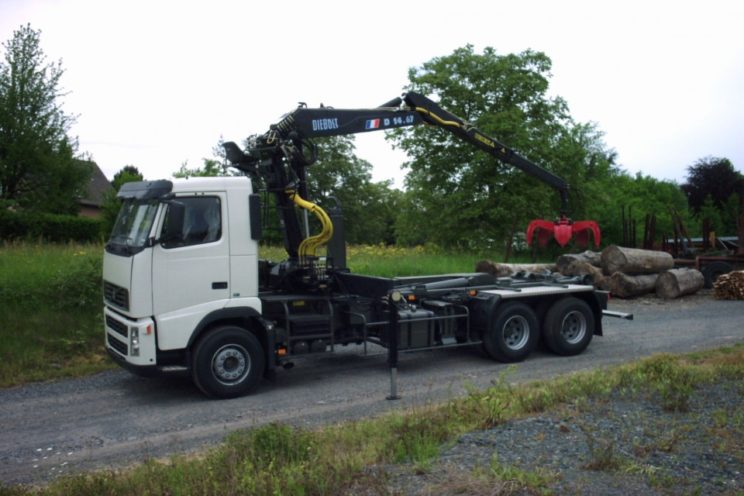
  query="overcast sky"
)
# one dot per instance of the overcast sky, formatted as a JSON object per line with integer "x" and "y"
{"x": 156, "y": 83}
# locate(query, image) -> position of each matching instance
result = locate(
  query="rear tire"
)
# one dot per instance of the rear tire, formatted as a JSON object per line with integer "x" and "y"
{"x": 513, "y": 334}
{"x": 229, "y": 361}
{"x": 568, "y": 327}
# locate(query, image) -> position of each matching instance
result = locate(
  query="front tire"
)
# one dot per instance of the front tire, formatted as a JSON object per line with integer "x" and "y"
{"x": 228, "y": 361}
{"x": 513, "y": 334}
{"x": 568, "y": 326}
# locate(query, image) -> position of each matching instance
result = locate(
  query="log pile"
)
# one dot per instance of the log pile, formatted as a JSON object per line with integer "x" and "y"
{"x": 729, "y": 286}
{"x": 578, "y": 268}
{"x": 630, "y": 272}
{"x": 506, "y": 270}
{"x": 592, "y": 258}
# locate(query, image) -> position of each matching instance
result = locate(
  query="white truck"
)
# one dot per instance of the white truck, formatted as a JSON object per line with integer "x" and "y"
{"x": 184, "y": 287}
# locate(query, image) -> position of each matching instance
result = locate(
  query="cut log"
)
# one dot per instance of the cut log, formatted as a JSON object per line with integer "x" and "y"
{"x": 729, "y": 286}
{"x": 590, "y": 257}
{"x": 625, "y": 286}
{"x": 505, "y": 270}
{"x": 678, "y": 282}
{"x": 634, "y": 261}
{"x": 578, "y": 268}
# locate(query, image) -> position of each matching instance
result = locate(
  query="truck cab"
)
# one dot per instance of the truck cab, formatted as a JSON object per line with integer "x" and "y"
{"x": 181, "y": 255}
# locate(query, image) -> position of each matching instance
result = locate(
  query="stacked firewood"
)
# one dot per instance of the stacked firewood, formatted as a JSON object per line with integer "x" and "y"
{"x": 729, "y": 286}
{"x": 629, "y": 272}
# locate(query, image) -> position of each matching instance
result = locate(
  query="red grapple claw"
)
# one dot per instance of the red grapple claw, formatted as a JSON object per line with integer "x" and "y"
{"x": 563, "y": 229}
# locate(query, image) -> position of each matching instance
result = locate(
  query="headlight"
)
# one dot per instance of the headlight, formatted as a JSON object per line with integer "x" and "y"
{"x": 134, "y": 341}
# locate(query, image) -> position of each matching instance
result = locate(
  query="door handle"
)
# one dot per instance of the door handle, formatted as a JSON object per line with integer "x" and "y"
{"x": 219, "y": 285}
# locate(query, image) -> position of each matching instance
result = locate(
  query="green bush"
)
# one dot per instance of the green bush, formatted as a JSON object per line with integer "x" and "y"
{"x": 48, "y": 227}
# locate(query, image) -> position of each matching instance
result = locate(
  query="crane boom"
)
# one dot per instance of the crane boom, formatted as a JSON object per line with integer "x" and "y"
{"x": 281, "y": 155}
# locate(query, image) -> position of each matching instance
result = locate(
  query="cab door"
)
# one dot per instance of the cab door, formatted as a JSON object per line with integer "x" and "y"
{"x": 191, "y": 267}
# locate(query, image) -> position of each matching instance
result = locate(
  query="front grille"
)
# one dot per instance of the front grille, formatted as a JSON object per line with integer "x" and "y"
{"x": 116, "y": 344}
{"x": 117, "y": 326}
{"x": 116, "y": 295}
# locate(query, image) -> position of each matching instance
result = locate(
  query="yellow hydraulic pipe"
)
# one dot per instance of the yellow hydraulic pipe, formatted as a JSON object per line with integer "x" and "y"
{"x": 311, "y": 244}
{"x": 434, "y": 116}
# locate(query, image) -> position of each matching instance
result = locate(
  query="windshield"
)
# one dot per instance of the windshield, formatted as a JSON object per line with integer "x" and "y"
{"x": 133, "y": 224}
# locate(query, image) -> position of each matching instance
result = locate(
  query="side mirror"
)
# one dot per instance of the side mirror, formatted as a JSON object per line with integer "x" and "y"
{"x": 173, "y": 226}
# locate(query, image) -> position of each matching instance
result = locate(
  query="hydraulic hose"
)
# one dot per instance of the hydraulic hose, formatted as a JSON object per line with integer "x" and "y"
{"x": 309, "y": 245}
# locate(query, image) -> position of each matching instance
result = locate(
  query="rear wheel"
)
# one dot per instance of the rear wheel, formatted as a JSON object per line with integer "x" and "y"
{"x": 513, "y": 334}
{"x": 228, "y": 362}
{"x": 568, "y": 327}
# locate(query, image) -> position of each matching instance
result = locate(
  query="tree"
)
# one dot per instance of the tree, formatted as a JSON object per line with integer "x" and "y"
{"x": 211, "y": 167}
{"x": 367, "y": 205}
{"x": 712, "y": 176}
{"x": 462, "y": 196}
{"x": 715, "y": 191}
{"x": 37, "y": 166}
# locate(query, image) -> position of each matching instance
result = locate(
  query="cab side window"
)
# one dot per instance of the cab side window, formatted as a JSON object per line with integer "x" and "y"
{"x": 200, "y": 223}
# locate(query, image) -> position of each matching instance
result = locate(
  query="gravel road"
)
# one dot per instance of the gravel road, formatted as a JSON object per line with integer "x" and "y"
{"x": 114, "y": 419}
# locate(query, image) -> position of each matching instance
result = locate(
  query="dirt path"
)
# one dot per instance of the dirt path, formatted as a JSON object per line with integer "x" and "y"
{"x": 114, "y": 419}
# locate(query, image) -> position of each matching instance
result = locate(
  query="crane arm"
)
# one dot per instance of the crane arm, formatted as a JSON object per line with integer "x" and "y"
{"x": 281, "y": 155}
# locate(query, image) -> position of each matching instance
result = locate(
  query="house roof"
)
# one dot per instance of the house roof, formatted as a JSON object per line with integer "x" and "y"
{"x": 97, "y": 187}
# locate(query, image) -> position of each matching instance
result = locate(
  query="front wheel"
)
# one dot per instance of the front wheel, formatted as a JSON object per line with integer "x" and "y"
{"x": 513, "y": 334}
{"x": 568, "y": 326}
{"x": 228, "y": 362}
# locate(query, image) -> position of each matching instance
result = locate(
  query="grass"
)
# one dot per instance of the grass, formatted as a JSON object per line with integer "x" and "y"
{"x": 278, "y": 459}
{"x": 50, "y": 312}
{"x": 62, "y": 276}
{"x": 41, "y": 344}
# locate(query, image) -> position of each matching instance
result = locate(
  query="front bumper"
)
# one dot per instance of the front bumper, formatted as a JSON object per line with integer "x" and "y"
{"x": 130, "y": 341}
{"x": 141, "y": 370}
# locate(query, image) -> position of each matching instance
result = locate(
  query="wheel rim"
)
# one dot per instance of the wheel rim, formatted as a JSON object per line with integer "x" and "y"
{"x": 231, "y": 364}
{"x": 516, "y": 332}
{"x": 573, "y": 327}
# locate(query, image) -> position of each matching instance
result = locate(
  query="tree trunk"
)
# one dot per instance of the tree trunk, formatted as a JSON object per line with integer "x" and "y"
{"x": 678, "y": 282}
{"x": 634, "y": 261}
{"x": 578, "y": 268}
{"x": 590, "y": 257}
{"x": 625, "y": 286}
{"x": 510, "y": 241}
{"x": 505, "y": 270}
